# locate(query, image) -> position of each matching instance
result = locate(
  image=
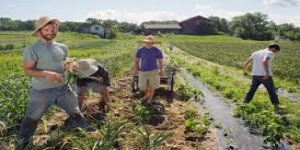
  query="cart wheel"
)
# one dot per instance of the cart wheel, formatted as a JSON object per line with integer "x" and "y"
{"x": 172, "y": 82}
{"x": 135, "y": 84}
{"x": 170, "y": 96}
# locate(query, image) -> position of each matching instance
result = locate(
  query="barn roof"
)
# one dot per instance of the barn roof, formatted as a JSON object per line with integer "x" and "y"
{"x": 162, "y": 26}
{"x": 199, "y": 17}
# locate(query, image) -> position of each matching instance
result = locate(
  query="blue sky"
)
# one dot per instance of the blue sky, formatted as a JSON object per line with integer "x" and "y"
{"x": 137, "y": 11}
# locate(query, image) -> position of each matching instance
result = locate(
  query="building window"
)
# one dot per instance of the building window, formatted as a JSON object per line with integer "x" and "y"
{"x": 96, "y": 28}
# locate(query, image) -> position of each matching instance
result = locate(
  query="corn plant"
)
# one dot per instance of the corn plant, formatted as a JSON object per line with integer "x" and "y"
{"x": 110, "y": 133}
{"x": 142, "y": 113}
{"x": 13, "y": 98}
{"x": 84, "y": 144}
{"x": 18, "y": 144}
{"x": 151, "y": 141}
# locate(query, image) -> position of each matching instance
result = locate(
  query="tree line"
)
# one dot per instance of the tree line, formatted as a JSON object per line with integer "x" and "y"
{"x": 253, "y": 26}
{"x": 7, "y": 24}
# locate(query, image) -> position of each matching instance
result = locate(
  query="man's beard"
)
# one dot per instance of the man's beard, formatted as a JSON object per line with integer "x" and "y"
{"x": 48, "y": 37}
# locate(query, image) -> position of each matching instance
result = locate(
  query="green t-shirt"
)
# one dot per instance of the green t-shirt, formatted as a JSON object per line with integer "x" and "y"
{"x": 47, "y": 57}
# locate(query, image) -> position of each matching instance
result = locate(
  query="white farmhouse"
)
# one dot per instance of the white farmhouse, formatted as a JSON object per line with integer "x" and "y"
{"x": 281, "y": 38}
{"x": 98, "y": 29}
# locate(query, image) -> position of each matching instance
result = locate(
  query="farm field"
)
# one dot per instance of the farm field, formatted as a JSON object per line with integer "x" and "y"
{"x": 131, "y": 125}
{"x": 214, "y": 60}
{"x": 221, "y": 75}
{"x": 234, "y": 53}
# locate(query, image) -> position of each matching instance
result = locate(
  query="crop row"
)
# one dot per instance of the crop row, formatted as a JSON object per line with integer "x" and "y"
{"x": 285, "y": 65}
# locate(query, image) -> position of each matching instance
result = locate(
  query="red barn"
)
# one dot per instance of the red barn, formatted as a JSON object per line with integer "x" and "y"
{"x": 196, "y": 25}
{"x": 191, "y": 25}
{"x": 161, "y": 28}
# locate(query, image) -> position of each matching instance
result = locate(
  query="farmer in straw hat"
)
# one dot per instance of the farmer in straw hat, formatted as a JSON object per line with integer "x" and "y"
{"x": 89, "y": 74}
{"x": 42, "y": 62}
{"x": 149, "y": 67}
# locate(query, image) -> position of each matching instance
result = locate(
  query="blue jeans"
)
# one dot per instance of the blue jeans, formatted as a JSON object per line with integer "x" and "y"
{"x": 41, "y": 100}
{"x": 268, "y": 83}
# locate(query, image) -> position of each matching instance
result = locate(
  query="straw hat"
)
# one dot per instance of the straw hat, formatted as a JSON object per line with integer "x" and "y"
{"x": 277, "y": 46}
{"x": 150, "y": 39}
{"x": 86, "y": 67}
{"x": 43, "y": 21}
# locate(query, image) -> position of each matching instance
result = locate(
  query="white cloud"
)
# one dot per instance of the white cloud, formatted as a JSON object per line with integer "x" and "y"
{"x": 202, "y": 7}
{"x": 229, "y": 14}
{"x": 203, "y": 10}
{"x": 133, "y": 17}
{"x": 281, "y": 3}
{"x": 206, "y": 11}
{"x": 16, "y": 3}
{"x": 279, "y": 19}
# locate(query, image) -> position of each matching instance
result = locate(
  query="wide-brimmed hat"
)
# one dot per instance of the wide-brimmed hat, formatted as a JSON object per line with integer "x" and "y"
{"x": 150, "y": 38}
{"x": 43, "y": 21}
{"x": 86, "y": 67}
{"x": 274, "y": 45}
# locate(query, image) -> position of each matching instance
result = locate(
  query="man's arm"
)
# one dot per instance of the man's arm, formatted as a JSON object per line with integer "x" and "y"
{"x": 266, "y": 67}
{"x": 161, "y": 66}
{"x": 246, "y": 65}
{"x": 29, "y": 70}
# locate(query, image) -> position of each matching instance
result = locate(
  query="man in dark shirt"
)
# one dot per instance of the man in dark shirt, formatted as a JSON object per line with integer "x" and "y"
{"x": 149, "y": 66}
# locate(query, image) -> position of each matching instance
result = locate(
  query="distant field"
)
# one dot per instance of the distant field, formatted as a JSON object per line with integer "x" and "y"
{"x": 80, "y": 45}
{"x": 22, "y": 39}
{"x": 233, "y": 52}
{"x": 224, "y": 50}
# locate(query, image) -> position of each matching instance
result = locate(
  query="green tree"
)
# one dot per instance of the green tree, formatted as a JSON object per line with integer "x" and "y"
{"x": 7, "y": 24}
{"x": 220, "y": 23}
{"x": 251, "y": 26}
{"x": 127, "y": 27}
{"x": 109, "y": 23}
{"x": 206, "y": 28}
{"x": 93, "y": 21}
{"x": 112, "y": 33}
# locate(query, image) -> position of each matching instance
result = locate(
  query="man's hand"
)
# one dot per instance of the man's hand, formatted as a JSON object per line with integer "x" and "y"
{"x": 135, "y": 72}
{"x": 98, "y": 79}
{"x": 266, "y": 77}
{"x": 70, "y": 65}
{"x": 161, "y": 73}
{"x": 53, "y": 76}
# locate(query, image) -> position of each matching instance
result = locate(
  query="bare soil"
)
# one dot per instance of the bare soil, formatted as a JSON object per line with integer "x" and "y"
{"x": 166, "y": 116}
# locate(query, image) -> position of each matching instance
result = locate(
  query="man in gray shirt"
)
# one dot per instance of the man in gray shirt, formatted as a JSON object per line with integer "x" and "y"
{"x": 42, "y": 61}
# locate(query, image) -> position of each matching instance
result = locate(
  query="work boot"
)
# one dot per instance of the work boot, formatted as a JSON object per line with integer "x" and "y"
{"x": 77, "y": 120}
{"x": 27, "y": 129}
{"x": 21, "y": 144}
{"x": 279, "y": 107}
